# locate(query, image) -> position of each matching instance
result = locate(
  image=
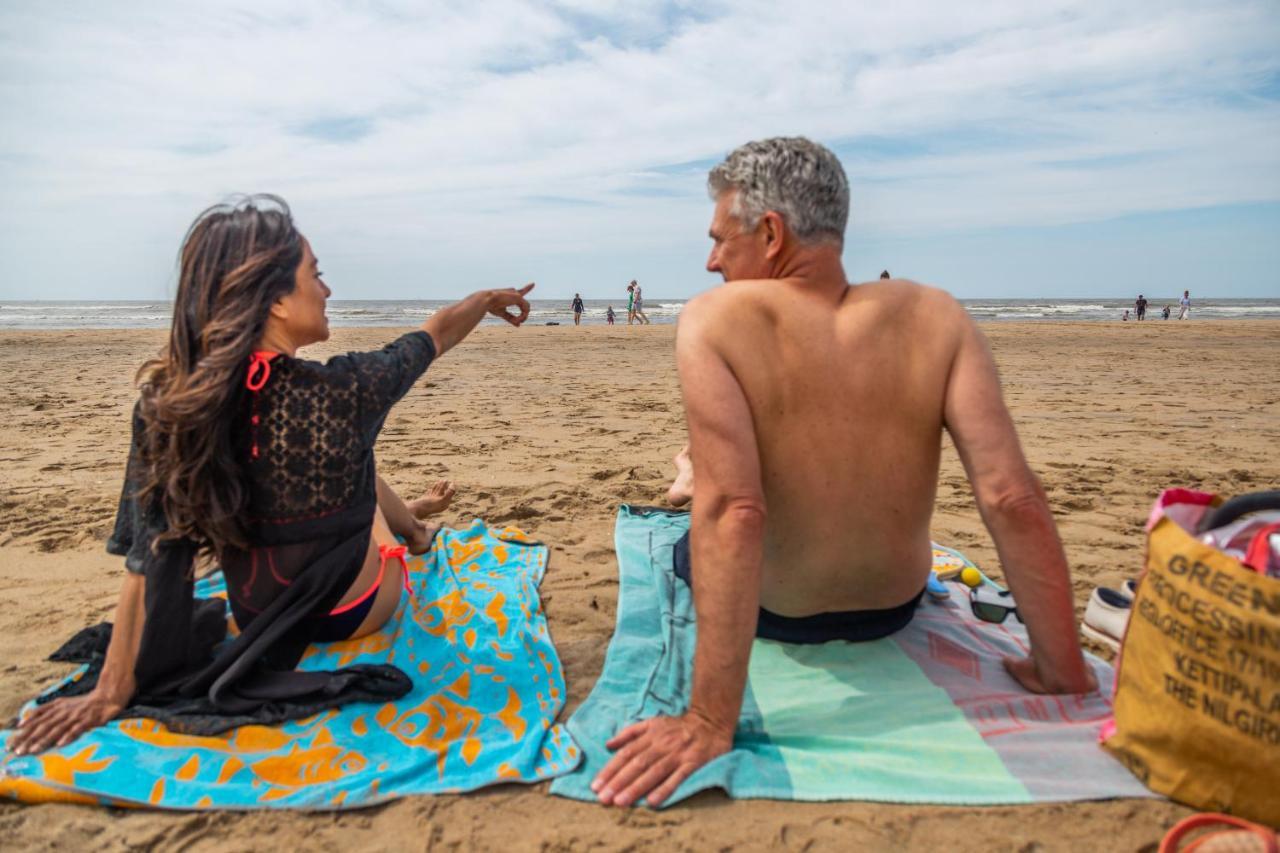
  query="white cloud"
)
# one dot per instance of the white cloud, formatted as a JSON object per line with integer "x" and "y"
{"x": 464, "y": 122}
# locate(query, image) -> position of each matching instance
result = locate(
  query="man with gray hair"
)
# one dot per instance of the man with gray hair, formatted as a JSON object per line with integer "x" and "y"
{"x": 815, "y": 412}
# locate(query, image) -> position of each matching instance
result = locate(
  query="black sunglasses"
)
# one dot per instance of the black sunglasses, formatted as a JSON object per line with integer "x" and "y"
{"x": 993, "y": 605}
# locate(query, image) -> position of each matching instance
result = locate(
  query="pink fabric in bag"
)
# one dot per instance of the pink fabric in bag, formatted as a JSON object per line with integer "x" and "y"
{"x": 1184, "y": 507}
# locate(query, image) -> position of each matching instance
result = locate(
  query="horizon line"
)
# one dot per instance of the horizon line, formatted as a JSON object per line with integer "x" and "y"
{"x": 601, "y": 298}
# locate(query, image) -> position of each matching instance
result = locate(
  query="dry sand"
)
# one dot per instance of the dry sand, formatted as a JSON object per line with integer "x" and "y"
{"x": 551, "y": 428}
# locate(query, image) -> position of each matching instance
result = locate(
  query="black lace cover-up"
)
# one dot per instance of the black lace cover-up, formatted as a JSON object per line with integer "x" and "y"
{"x": 312, "y": 485}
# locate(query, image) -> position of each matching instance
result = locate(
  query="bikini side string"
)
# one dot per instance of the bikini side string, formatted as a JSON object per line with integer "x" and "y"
{"x": 397, "y": 552}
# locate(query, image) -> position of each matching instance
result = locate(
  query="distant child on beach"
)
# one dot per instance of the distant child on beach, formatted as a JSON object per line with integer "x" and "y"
{"x": 608, "y": 315}
{"x": 1125, "y": 318}
{"x": 1184, "y": 312}
{"x": 1165, "y": 312}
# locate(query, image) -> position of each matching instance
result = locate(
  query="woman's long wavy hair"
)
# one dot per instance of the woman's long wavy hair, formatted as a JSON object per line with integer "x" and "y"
{"x": 237, "y": 259}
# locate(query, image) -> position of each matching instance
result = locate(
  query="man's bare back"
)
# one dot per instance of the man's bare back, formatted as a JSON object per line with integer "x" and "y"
{"x": 846, "y": 387}
{"x": 815, "y": 414}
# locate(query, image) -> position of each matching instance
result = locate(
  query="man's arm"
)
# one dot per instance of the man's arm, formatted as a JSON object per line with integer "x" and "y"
{"x": 1016, "y": 512}
{"x": 654, "y": 756}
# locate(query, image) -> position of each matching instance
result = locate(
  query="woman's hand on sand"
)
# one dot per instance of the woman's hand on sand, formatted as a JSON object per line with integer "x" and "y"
{"x": 654, "y": 756}
{"x": 61, "y": 721}
{"x": 501, "y": 300}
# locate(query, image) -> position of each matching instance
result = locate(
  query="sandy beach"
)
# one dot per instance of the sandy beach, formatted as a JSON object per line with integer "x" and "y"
{"x": 550, "y": 428}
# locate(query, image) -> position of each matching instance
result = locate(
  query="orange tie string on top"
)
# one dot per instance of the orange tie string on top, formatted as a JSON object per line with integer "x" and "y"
{"x": 259, "y": 370}
{"x": 255, "y": 379}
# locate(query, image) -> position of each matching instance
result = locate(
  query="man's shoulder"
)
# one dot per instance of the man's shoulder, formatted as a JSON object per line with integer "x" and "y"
{"x": 706, "y": 304}
{"x": 901, "y": 294}
{"x": 915, "y": 311}
{"x": 740, "y": 301}
{"x": 740, "y": 293}
{"x": 726, "y": 303}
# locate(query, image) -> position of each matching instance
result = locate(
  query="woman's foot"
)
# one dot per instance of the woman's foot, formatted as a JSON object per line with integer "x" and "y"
{"x": 419, "y": 542}
{"x": 681, "y": 491}
{"x": 436, "y": 500}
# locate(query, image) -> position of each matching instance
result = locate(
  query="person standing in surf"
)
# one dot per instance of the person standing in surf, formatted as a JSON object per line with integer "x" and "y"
{"x": 1140, "y": 307}
{"x": 637, "y": 305}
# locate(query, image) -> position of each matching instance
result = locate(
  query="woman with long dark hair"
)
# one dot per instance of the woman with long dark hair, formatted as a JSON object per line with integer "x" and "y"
{"x": 247, "y": 456}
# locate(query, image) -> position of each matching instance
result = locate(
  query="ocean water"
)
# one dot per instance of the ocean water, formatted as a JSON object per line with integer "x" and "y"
{"x": 409, "y": 313}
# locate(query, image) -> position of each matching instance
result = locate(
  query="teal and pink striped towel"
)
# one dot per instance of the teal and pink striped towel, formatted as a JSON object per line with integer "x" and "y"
{"x": 926, "y": 716}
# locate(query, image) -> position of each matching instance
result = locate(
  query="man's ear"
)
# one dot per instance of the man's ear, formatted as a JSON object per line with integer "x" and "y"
{"x": 774, "y": 233}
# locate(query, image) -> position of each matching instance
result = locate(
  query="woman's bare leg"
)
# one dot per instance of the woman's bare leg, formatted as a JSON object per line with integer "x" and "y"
{"x": 681, "y": 491}
{"x": 387, "y": 598}
{"x": 393, "y": 517}
{"x": 396, "y": 512}
{"x": 405, "y": 519}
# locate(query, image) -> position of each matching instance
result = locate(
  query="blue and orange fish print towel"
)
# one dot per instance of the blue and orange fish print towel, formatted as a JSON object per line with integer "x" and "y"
{"x": 487, "y": 688}
{"x": 927, "y": 715}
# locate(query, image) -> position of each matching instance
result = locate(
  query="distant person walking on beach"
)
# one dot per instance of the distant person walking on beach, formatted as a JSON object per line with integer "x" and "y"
{"x": 1184, "y": 313}
{"x": 637, "y": 305}
{"x": 1141, "y": 307}
{"x": 885, "y": 274}
{"x": 1165, "y": 312}
{"x": 608, "y": 315}
{"x": 631, "y": 302}
{"x": 577, "y": 309}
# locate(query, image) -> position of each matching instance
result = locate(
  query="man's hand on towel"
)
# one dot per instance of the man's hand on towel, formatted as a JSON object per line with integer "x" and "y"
{"x": 654, "y": 756}
{"x": 1025, "y": 672}
{"x": 63, "y": 720}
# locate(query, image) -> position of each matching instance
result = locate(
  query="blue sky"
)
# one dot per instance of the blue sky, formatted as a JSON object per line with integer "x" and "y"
{"x": 1003, "y": 149}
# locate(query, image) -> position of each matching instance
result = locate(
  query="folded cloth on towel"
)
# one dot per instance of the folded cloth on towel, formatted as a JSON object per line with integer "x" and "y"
{"x": 927, "y": 715}
{"x": 486, "y": 688}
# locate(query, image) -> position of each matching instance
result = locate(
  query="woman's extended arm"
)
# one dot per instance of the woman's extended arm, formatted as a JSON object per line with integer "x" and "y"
{"x": 63, "y": 720}
{"x": 448, "y": 326}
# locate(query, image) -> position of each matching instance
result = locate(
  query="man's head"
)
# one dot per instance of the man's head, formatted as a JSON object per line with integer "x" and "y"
{"x": 771, "y": 196}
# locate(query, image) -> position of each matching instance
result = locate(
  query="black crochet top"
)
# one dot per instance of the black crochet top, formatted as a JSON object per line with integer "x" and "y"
{"x": 310, "y": 433}
{"x": 309, "y": 466}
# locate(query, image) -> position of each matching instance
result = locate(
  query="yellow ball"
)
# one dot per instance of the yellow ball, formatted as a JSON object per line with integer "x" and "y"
{"x": 971, "y": 577}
